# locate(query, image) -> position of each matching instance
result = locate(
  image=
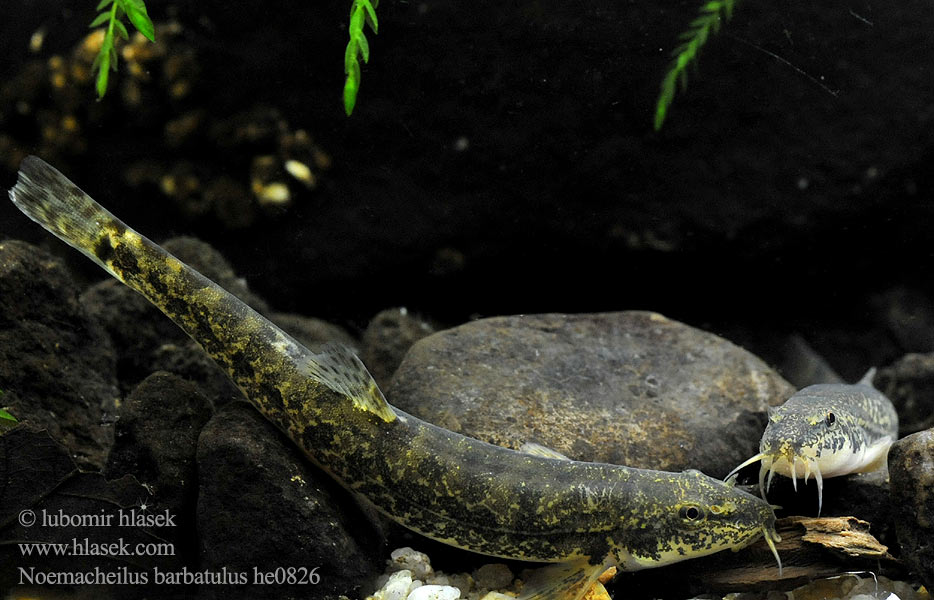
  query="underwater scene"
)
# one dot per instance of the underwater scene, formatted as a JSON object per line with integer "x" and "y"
{"x": 442, "y": 300}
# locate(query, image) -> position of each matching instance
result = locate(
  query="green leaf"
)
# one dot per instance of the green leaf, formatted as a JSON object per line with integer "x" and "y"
{"x": 370, "y": 11}
{"x": 104, "y": 3}
{"x": 364, "y": 48}
{"x": 711, "y": 15}
{"x": 103, "y": 64}
{"x": 121, "y": 29}
{"x": 350, "y": 95}
{"x": 5, "y": 415}
{"x": 100, "y": 20}
{"x": 136, "y": 11}
{"x": 362, "y": 13}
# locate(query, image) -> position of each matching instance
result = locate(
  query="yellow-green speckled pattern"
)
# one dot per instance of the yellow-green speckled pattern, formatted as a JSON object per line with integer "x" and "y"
{"x": 444, "y": 485}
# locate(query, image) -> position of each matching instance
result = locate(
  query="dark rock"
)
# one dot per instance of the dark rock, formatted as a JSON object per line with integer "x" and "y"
{"x": 907, "y": 315}
{"x": 40, "y": 481}
{"x": 156, "y": 440}
{"x": 387, "y": 338}
{"x": 57, "y": 365}
{"x": 202, "y": 257}
{"x": 135, "y": 326}
{"x": 311, "y": 332}
{"x": 189, "y": 361}
{"x": 909, "y": 384}
{"x": 911, "y": 468}
{"x": 263, "y": 505}
{"x": 632, "y": 388}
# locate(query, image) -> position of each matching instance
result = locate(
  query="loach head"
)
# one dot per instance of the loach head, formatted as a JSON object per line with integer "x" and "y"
{"x": 809, "y": 435}
{"x": 694, "y": 515}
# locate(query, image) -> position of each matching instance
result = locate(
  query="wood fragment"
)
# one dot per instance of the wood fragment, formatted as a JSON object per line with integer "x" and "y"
{"x": 811, "y": 548}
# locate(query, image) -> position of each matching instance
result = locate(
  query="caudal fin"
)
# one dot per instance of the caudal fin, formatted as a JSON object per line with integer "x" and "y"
{"x": 51, "y": 200}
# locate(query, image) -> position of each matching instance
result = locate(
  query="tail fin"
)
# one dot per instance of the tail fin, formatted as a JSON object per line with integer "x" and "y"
{"x": 257, "y": 355}
{"x": 51, "y": 200}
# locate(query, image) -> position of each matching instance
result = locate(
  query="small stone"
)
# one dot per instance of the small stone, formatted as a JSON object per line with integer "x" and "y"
{"x": 435, "y": 592}
{"x": 834, "y": 587}
{"x": 397, "y": 588}
{"x": 462, "y": 581}
{"x": 414, "y": 561}
{"x": 493, "y": 576}
{"x": 387, "y": 338}
{"x": 497, "y": 596}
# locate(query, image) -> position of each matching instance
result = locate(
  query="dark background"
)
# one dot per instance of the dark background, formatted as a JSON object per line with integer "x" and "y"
{"x": 789, "y": 191}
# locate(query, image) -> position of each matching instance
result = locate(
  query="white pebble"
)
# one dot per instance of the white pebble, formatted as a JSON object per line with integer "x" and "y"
{"x": 397, "y": 588}
{"x": 497, "y": 596}
{"x": 435, "y": 592}
{"x": 413, "y": 560}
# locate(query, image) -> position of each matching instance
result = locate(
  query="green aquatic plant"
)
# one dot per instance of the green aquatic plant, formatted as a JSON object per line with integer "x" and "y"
{"x": 110, "y": 20}
{"x": 362, "y": 12}
{"x": 712, "y": 13}
{"x": 7, "y": 421}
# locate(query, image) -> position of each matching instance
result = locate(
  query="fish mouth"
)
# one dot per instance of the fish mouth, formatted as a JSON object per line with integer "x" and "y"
{"x": 790, "y": 464}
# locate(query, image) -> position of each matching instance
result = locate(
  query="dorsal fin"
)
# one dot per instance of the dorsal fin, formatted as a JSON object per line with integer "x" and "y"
{"x": 337, "y": 367}
{"x": 868, "y": 377}
{"x": 542, "y": 451}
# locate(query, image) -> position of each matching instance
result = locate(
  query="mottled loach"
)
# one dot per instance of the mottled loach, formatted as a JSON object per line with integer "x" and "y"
{"x": 583, "y": 517}
{"x": 826, "y": 430}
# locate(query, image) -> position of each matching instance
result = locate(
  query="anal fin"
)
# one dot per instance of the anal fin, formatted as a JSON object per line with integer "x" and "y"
{"x": 562, "y": 581}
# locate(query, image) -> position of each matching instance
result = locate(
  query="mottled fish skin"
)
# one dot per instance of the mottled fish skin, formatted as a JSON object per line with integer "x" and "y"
{"x": 827, "y": 430}
{"x": 449, "y": 487}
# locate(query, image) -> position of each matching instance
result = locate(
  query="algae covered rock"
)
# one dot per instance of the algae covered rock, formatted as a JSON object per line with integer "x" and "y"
{"x": 911, "y": 471}
{"x": 632, "y": 388}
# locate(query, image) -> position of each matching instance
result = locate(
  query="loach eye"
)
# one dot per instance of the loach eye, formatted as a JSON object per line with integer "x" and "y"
{"x": 691, "y": 513}
{"x": 830, "y": 419}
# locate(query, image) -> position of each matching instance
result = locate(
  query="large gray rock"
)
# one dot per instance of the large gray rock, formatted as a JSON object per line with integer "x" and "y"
{"x": 911, "y": 472}
{"x": 57, "y": 365}
{"x": 632, "y": 388}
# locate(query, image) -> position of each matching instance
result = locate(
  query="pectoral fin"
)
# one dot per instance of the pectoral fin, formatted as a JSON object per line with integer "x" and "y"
{"x": 562, "y": 581}
{"x": 542, "y": 451}
{"x": 879, "y": 453}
